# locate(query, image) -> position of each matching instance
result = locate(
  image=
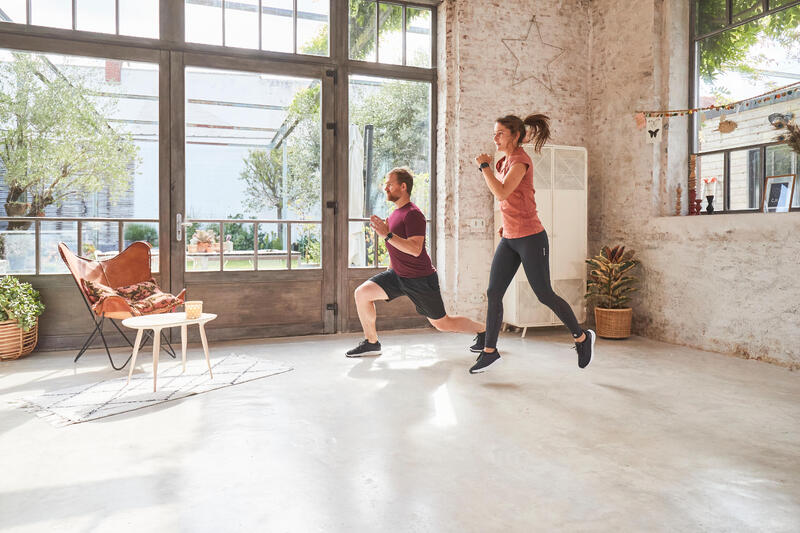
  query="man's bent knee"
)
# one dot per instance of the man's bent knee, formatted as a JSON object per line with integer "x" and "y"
{"x": 369, "y": 291}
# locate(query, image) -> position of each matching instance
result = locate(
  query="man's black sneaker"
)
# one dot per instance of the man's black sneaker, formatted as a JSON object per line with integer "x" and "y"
{"x": 364, "y": 349}
{"x": 585, "y": 349}
{"x": 480, "y": 340}
{"x": 484, "y": 359}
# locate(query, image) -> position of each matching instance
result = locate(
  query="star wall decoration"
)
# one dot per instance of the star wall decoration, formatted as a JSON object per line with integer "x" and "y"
{"x": 533, "y": 55}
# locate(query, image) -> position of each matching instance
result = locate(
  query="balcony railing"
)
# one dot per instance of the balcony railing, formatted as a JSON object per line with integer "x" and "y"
{"x": 45, "y": 259}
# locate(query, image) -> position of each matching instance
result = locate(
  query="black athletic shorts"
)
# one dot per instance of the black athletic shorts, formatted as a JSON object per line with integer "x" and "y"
{"x": 424, "y": 292}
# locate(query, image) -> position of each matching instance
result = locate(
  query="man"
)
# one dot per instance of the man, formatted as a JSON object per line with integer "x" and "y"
{"x": 411, "y": 272}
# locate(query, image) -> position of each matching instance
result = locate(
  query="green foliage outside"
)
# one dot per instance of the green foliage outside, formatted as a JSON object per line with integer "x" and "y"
{"x": 730, "y": 50}
{"x": 141, "y": 232}
{"x": 19, "y": 301}
{"x": 54, "y": 140}
{"x": 610, "y": 282}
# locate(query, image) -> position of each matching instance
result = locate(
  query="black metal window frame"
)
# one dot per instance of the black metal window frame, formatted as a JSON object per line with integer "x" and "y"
{"x": 694, "y": 77}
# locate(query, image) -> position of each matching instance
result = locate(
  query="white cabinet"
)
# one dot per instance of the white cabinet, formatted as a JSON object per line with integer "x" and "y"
{"x": 559, "y": 179}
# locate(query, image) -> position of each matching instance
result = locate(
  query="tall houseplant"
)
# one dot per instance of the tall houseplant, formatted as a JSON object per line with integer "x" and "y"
{"x": 20, "y": 307}
{"x": 608, "y": 287}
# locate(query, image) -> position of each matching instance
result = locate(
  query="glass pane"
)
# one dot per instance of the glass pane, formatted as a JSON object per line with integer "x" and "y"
{"x": 746, "y": 179}
{"x": 52, "y": 233}
{"x": 14, "y": 10}
{"x": 389, "y": 127}
{"x": 778, "y": 3}
{"x": 96, "y": 15}
{"x": 710, "y": 168}
{"x": 362, "y": 30}
{"x": 362, "y": 241}
{"x": 306, "y": 249}
{"x": 17, "y": 253}
{"x": 272, "y": 246}
{"x": 741, "y": 63}
{"x": 241, "y": 24}
{"x": 782, "y": 160}
{"x": 253, "y": 151}
{"x": 203, "y": 23}
{"x": 390, "y": 34}
{"x": 100, "y": 156}
{"x": 138, "y": 18}
{"x": 418, "y": 37}
{"x": 312, "y": 27}
{"x": 277, "y": 25}
{"x": 53, "y": 13}
{"x": 744, "y": 9}
{"x": 710, "y": 15}
{"x": 202, "y": 247}
{"x": 142, "y": 231}
{"x": 238, "y": 246}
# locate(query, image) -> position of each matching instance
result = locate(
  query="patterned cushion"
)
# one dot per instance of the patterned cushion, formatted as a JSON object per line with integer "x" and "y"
{"x": 144, "y": 298}
{"x": 139, "y": 291}
{"x": 96, "y": 291}
{"x": 160, "y": 302}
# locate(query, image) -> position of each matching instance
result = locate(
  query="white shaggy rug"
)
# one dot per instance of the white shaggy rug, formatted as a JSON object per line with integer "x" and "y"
{"x": 113, "y": 396}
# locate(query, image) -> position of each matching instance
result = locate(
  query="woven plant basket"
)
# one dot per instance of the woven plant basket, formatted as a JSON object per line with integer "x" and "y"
{"x": 14, "y": 342}
{"x": 613, "y": 323}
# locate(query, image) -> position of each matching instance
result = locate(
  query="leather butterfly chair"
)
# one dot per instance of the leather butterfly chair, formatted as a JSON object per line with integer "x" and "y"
{"x": 127, "y": 269}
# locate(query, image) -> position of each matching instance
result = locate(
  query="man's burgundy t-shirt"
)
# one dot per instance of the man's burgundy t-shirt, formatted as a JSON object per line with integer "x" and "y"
{"x": 408, "y": 221}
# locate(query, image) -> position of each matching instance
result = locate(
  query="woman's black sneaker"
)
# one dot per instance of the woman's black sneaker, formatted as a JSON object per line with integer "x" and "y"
{"x": 484, "y": 359}
{"x": 480, "y": 342}
{"x": 364, "y": 349}
{"x": 585, "y": 349}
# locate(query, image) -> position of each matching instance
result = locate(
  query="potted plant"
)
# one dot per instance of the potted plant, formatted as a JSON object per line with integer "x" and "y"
{"x": 20, "y": 308}
{"x": 205, "y": 240}
{"x": 608, "y": 287}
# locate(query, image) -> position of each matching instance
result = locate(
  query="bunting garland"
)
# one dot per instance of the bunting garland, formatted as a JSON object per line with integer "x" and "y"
{"x": 774, "y": 94}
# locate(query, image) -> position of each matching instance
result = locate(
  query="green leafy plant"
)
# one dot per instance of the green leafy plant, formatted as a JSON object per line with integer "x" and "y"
{"x": 141, "y": 232}
{"x": 610, "y": 281}
{"x": 19, "y": 301}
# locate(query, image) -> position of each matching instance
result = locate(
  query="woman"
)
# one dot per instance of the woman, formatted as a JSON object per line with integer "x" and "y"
{"x": 523, "y": 237}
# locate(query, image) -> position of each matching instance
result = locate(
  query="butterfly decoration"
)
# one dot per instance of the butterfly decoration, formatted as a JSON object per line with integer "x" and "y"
{"x": 654, "y": 130}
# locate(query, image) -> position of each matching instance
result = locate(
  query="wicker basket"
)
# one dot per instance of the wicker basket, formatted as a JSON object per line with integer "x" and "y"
{"x": 613, "y": 323}
{"x": 14, "y": 342}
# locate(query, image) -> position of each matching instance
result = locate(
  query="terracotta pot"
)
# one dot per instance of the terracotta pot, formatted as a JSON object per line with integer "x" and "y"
{"x": 203, "y": 246}
{"x": 613, "y": 323}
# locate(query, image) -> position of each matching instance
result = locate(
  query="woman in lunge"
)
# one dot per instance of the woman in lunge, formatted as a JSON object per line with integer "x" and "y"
{"x": 523, "y": 237}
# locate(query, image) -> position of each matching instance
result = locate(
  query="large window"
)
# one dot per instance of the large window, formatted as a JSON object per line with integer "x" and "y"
{"x": 253, "y": 153}
{"x": 138, "y": 18}
{"x": 390, "y": 33}
{"x": 79, "y": 153}
{"x": 744, "y": 52}
{"x": 291, "y": 26}
{"x": 389, "y": 127}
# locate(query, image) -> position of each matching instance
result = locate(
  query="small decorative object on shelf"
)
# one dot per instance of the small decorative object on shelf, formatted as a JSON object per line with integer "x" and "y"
{"x": 693, "y": 210}
{"x": 710, "y": 204}
{"x": 678, "y": 201}
{"x": 697, "y": 202}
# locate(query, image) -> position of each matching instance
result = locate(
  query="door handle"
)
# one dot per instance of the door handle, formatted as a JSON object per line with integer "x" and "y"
{"x": 179, "y": 227}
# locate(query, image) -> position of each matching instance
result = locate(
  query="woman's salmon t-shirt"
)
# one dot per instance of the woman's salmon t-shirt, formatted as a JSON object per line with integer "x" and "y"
{"x": 519, "y": 209}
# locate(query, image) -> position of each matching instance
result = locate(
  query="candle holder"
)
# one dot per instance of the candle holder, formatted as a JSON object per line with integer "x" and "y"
{"x": 710, "y": 204}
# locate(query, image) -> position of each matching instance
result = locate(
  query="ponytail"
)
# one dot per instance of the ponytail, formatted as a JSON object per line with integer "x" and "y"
{"x": 535, "y": 128}
{"x": 539, "y": 130}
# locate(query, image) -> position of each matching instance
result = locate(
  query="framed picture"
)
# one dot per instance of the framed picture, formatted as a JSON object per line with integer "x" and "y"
{"x": 778, "y": 192}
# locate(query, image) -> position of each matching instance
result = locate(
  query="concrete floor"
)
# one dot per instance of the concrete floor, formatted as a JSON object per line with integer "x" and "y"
{"x": 651, "y": 437}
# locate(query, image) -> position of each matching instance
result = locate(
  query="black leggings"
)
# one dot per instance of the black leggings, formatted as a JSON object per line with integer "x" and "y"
{"x": 532, "y": 252}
